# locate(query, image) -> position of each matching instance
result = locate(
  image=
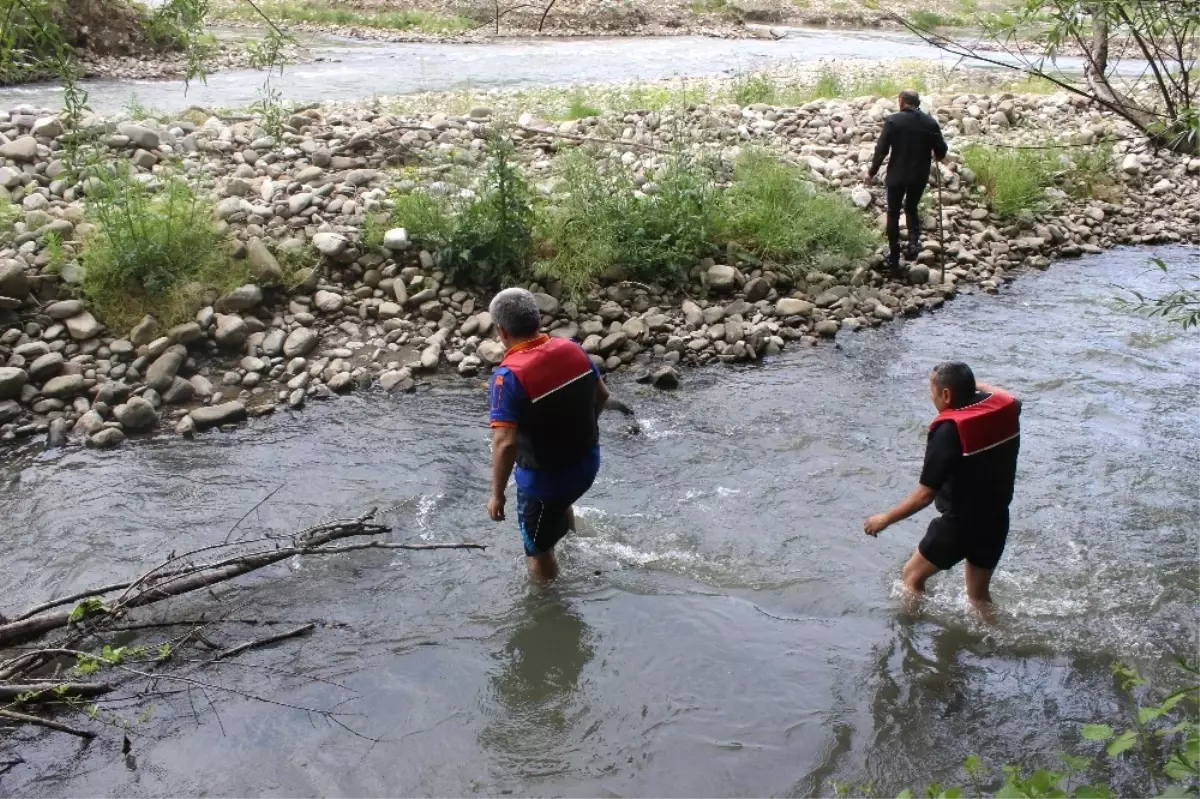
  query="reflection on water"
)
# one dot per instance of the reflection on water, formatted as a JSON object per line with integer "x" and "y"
{"x": 535, "y": 685}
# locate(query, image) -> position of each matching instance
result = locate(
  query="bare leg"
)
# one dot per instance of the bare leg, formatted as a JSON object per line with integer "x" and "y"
{"x": 978, "y": 591}
{"x": 545, "y": 565}
{"x": 916, "y": 572}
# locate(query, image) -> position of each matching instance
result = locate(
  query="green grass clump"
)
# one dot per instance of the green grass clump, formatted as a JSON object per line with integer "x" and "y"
{"x": 320, "y": 14}
{"x": 782, "y": 217}
{"x": 932, "y": 19}
{"x": 154, "y": 251}
{"x": 754, "y": 88}
{"x": 579, "y": 109}
{"x": 1015, "y": 179}
{"x": 603, "y": 223}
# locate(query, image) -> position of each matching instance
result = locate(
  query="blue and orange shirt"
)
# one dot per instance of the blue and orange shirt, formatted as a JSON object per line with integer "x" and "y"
{"x": 546, "y": 388}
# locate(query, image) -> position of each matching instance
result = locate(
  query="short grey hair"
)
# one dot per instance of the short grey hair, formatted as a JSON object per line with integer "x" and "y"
{"x": 516, "y": 311}
{"x": 958, "y": 377}
{"x": 911, "y": 98}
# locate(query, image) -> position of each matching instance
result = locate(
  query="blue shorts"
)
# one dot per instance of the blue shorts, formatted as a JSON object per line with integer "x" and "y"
{"x": 544, "y": 521}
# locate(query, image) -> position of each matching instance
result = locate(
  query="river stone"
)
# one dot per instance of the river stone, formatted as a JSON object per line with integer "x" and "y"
{"x": 263, "y": 263}
{"x": 46, "y": 367}
{"x": 185, "y": 427}
{"x": 1131, "y": 165}
{"x": 181, "y": 391}
{"x": 400, "y": 290}
{"x": 202, "y": 386}
{"x": 187, "y": 333}
{"x": 21, "y": 149}
{"x": 213, "y": 415}
{"x": 330, "y": 244}
{"x": 83, "y": 326}
{"x": 272, "y": 344}
{"x": 790, "y": 306}
{"x": 665, "y": 378}
{"x": 491, "y": 352}
{"x": 139, "y": 136}
{"x": 361, "y": 177}
{"x": 722, "y": 278}
{"x": 883, "y": 312}
{"x": 161, "y": 374}
{"x": 300, "y": 342}
{"x": 13, "y": 281}
{"x": 298, "y": 202}
{"x": 918, "y": 275}
{"x": 861, "y": 197}
{"x": 827, "y": 328}
{"x": 144, "y": 331}
{"x": 89, "y": 423}
{"x": 64, "y": 386}
{"x": 328, "y": 301}
{"x": 757, "y": 289}
{"x": 545, "y": 303}
{"x": 137, "y": 415}
{"x": 64, "y": 309}
{"x": 341, "y": 383}
{"x": 231, "y": 331}
{"x": 692, "y": 315}
{"x": 243, "y": 298}
{"x": 10, "y": 410}
{"x": 398, "y": 379}
{"x": 12, "y": 380}
{"x": 396, "y": 239}
{"x": 106, "y": 438}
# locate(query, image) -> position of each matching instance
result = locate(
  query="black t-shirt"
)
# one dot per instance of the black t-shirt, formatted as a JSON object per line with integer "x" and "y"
{"x": 977, "y": 487}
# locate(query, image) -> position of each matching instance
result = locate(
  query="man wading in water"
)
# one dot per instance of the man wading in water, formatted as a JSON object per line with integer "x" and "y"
{"x": 911, "y": 136}
{"x": 546, "y": 399}
{"x": 970, "y": 468}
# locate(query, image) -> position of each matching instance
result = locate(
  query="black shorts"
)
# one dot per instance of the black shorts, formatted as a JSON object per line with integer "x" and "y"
{"x": 544, "y": 522}
{"x": 950, "y": 540}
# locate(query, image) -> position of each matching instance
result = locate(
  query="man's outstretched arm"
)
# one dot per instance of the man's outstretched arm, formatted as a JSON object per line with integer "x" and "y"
{"x": 881, "y": 149}
{"x": 915, "y": 502}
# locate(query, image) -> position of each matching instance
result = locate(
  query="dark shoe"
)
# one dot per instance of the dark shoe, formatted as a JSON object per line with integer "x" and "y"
{"x": 891, "y": 265}
{"x": 912, "y": 252}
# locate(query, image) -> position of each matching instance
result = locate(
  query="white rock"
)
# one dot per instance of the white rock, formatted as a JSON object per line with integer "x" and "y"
{"x": 396, "y": 239}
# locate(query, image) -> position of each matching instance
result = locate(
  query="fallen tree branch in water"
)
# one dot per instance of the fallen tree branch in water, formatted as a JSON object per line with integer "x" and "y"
{"x": 49, "y": 724}
{"x": 270, "y": 639}
{"x": 51, "y": 691}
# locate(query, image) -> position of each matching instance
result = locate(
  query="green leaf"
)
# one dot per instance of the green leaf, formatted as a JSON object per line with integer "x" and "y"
{"x": 1097, "y": 732}
{"x": 1010, "y": 791}
{"x": 1148, "y": 714}
{"x": 1121, "y": 743}
{"x": 1093, "y": 792}
{"x": 1178, "y": 769}
{"x": 1076, "y": 763}
{"x": 951, "y": 793}
{"x": 905, "y": 794}
{"x": 1176, "y": 791}
{"x": 972, "y": 764}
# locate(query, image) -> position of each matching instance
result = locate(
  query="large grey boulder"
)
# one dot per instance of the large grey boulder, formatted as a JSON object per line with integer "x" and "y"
{"x": 20, "y": 149}
{"x": 64, "y": 386}
{"x": 12, "y": 380}
{"x": 136, "y": 415}
{"x": 46, "y": 366}
{"x": 83, "y": 326}
{"x": 231, "y": 331}
{"x": 213, "y": 415}
{"x": 139, "y": 136}
{"x": 13, "y": 281}
{"x": 263, "y": 263}
{"x": 243, "y": 298}
{"x": 722, "y": 278}
{"x": 161, "y": 374}
{"x": 300, "y": 342}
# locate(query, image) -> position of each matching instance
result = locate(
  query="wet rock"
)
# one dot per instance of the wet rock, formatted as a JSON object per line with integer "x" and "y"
{"x": 397, "y": 380}
{"x": 790, "y": 306}
{"x": 106, "y": 438}
{"x": 89, "y": 423}
{"x": 243, "y": 298}
{"x": 137, "y": 415}
{"x": 64, "y": 386}
{"x": 918, "y": 275}
{"x": 12, "y": 380}
{"x": 63, "y": 309}
{"x": 757, "y": 289}
{"x": 10, "y": 411}
{"x": 491, "y": 352}
{"x": 827, "y": 328}
{"x": 161, "y": 374}
{"x": 23, "y": 149}
{"x": 300, "y": 342}
{"x": 13, "y": 282}
{"x": 341, "y": 383}
{"x": 231, "y": 331}
{"x": 722, "y": 278}
{"x": 181, "y": 391}
{"x": 83, "y": 326}
{"x": 665, "y": 378}
{"x": 330, "y": 245}
{"x": 272, "y": 344}
{"x": 202, "y": 386}
{"x": 213, "y": 415}
{"x": 46, "y": 366}
{"x": 139, "y": 136}
{"x": 263, "y": 263}
{"x": 144, "y": 331}
{"x": 186, "y": 427}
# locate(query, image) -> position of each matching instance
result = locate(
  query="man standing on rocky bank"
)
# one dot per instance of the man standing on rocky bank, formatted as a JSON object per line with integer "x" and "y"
{"x": 913, "y": 138}
{"x": 546, "y": 399}
{"x": 970, "y": 470}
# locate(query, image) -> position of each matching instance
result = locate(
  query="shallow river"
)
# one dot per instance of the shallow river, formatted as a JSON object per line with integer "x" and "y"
{"x": 357, "y": 70}
{"x": 723, "y": 626}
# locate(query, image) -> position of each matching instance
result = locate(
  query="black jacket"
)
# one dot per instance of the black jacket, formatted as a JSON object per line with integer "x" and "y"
{"x": 911, "y": 135}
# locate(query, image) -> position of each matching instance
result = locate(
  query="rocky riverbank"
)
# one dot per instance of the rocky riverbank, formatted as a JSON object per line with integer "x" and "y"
{"x": 326, "y": 313}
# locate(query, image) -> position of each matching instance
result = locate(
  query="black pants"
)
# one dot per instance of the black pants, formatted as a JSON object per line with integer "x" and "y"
{"x": 908, "y": 197}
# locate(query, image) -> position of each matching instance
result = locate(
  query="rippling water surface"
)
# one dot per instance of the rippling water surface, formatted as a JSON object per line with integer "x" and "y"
{"x": 723, "y": 627}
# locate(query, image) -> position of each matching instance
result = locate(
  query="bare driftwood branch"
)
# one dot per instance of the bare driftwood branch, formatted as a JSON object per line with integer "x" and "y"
{"x": 25, "y": 718}
{"x": 50, "y": 691}
{"x": 587, "y": 139}
{"x": 270, "y": 639}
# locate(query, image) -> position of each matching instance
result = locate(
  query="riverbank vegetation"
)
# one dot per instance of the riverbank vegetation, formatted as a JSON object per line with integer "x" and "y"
{"x": 605, "y": 219}
{"x": 153, "y": 251}
{"x": 344, "y": 16}
{"x": 1016, "y": 179}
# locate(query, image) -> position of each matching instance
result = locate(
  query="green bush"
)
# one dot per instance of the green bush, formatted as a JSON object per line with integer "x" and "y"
{"x": 775, "y": 212}
{"x": 154, "y": 251}
{"x": 753, "y": 88}
{"x": 603, "y": 223}
{"x": 579, "y": 108}
{"x": 1015, "y": 179}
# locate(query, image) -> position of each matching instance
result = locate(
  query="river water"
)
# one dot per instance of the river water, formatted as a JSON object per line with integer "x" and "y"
{"x": 723, "y": 627}
{"x": 353, "y": 70}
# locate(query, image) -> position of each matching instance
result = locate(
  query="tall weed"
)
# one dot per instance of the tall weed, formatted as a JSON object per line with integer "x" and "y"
{"x": 1015, "y": 179}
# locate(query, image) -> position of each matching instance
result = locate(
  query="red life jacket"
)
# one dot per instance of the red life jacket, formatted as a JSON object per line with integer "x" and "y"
{"x": 558, "y": 425}
{"x": 985, "y": 424}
